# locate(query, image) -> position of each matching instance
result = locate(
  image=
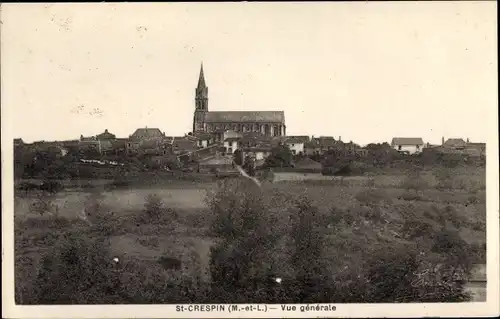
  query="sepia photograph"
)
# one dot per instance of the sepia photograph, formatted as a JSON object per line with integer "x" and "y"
{"x": 285, "y": 159}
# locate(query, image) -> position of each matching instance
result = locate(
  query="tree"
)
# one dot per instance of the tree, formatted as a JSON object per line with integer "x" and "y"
{"x": 280, "y": 156}
{"x": 244, "y": 255}
{"x": 238, "y": 157}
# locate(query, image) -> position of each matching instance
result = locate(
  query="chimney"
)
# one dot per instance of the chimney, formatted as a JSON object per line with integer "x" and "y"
{"x": 106, "y": 131}
{"x": 442, "y": 140}
{"x": 467, "y": 140}
{"x": 340, "y": 138}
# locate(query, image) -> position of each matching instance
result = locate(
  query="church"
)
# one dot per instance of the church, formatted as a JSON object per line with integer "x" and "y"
{"x": 267, "y": 123}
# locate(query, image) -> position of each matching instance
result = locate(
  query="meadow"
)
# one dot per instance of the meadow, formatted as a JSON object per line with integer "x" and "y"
{"x": 145, "y": 226}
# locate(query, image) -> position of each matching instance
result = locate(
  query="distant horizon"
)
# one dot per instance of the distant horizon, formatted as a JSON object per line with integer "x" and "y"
{"x": 335, "y": 69}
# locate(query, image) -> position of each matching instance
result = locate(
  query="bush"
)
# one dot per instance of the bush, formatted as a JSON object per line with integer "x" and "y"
{"x": 472, "y": 199}
{"x": 390, "y": 274}
{"x": 155, "y": 210}
{"x": 238, "y": 208}
{"x": 449, "y": 243}
{"x": 77, "y": 270}
{"x": 397, "y": 274}
{"x": 245, "y": 252}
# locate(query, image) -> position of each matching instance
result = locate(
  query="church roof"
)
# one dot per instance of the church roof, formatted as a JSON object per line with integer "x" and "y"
{"x": 245, "y": 117}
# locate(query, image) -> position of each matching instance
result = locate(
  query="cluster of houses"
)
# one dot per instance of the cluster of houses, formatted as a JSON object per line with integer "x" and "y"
{"x": 216, "y": 149}
{"x": 416, "y": 145}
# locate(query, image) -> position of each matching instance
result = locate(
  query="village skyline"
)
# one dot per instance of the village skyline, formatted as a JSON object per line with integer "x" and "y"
{"x": 411, "y": 77}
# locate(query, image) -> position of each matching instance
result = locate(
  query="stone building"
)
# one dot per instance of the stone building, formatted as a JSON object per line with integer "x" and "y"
{"x": 269, "y": 123}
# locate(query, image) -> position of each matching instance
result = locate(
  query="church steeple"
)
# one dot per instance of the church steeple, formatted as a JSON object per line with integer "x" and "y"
{"x": 201, "y": 102}
{"x": 201, "y": 97}
{"x": 201, "y": 79}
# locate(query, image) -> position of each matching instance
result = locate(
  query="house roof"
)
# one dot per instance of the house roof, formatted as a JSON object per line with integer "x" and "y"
{"x": 297, "y": 139}
{"x": 245, "y": 117}
{"x": 106, "y": 135}
{"x": 87, "y": 139}
{"x": 149, "y": 144}
{"x": 455, "y": 142}
{"x": 232, "y": 139}
{"x": 145, "y": 133}
{"x": 184, "y": 144}
{"x": 323, "y": 141}
{"x": 407, "y": 141}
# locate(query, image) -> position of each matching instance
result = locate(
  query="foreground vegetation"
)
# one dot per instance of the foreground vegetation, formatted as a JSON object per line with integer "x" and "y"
{"x": 286, "y": 242}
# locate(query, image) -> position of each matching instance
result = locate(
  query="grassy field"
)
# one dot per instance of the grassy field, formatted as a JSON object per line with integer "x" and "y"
{"x": 183, "y": 232}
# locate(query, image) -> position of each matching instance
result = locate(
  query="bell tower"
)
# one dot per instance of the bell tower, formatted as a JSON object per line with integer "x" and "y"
{"x": 201, "y": 103}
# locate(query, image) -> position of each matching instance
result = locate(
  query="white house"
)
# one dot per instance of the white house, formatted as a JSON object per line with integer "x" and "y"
{"x": 231, "y": 145}
{"x": 411, "y": 145}
{"x": 296, "y": 143}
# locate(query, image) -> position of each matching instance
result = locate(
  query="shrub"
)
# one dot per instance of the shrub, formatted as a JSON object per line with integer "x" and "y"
{"x": 245, "y": 252}
{"x": 238, "y": 208}
{"x": 390, "y": 274}
{"x": 449, "y": 243}
{"x": 311, "y": 275}
{"x": 472, "y": 199}
{"x": 155, "y": 210}
{"x": 397, "y": 274}
{"x": 169, "y": 262}
{"x": 78, "y": 270}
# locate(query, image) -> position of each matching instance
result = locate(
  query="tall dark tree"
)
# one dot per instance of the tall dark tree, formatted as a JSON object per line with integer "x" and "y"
{"x": 280, "y": 156}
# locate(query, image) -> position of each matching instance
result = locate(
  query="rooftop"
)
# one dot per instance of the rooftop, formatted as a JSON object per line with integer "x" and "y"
{"x": 297, "y": 139}
{"x": 407, "y": 141}
{"x": 144, "y": 133}
{"x": 245, "y": 117}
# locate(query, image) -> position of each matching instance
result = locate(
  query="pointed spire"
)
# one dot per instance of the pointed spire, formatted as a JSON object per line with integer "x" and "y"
{"x": 201, "y": 80}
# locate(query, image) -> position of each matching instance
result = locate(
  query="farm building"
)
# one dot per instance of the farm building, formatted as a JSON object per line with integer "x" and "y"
{"x": 410, "y": 145}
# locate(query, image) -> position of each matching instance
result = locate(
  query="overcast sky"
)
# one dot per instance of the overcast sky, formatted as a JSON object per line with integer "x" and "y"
{"x": 363, "y": 71}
